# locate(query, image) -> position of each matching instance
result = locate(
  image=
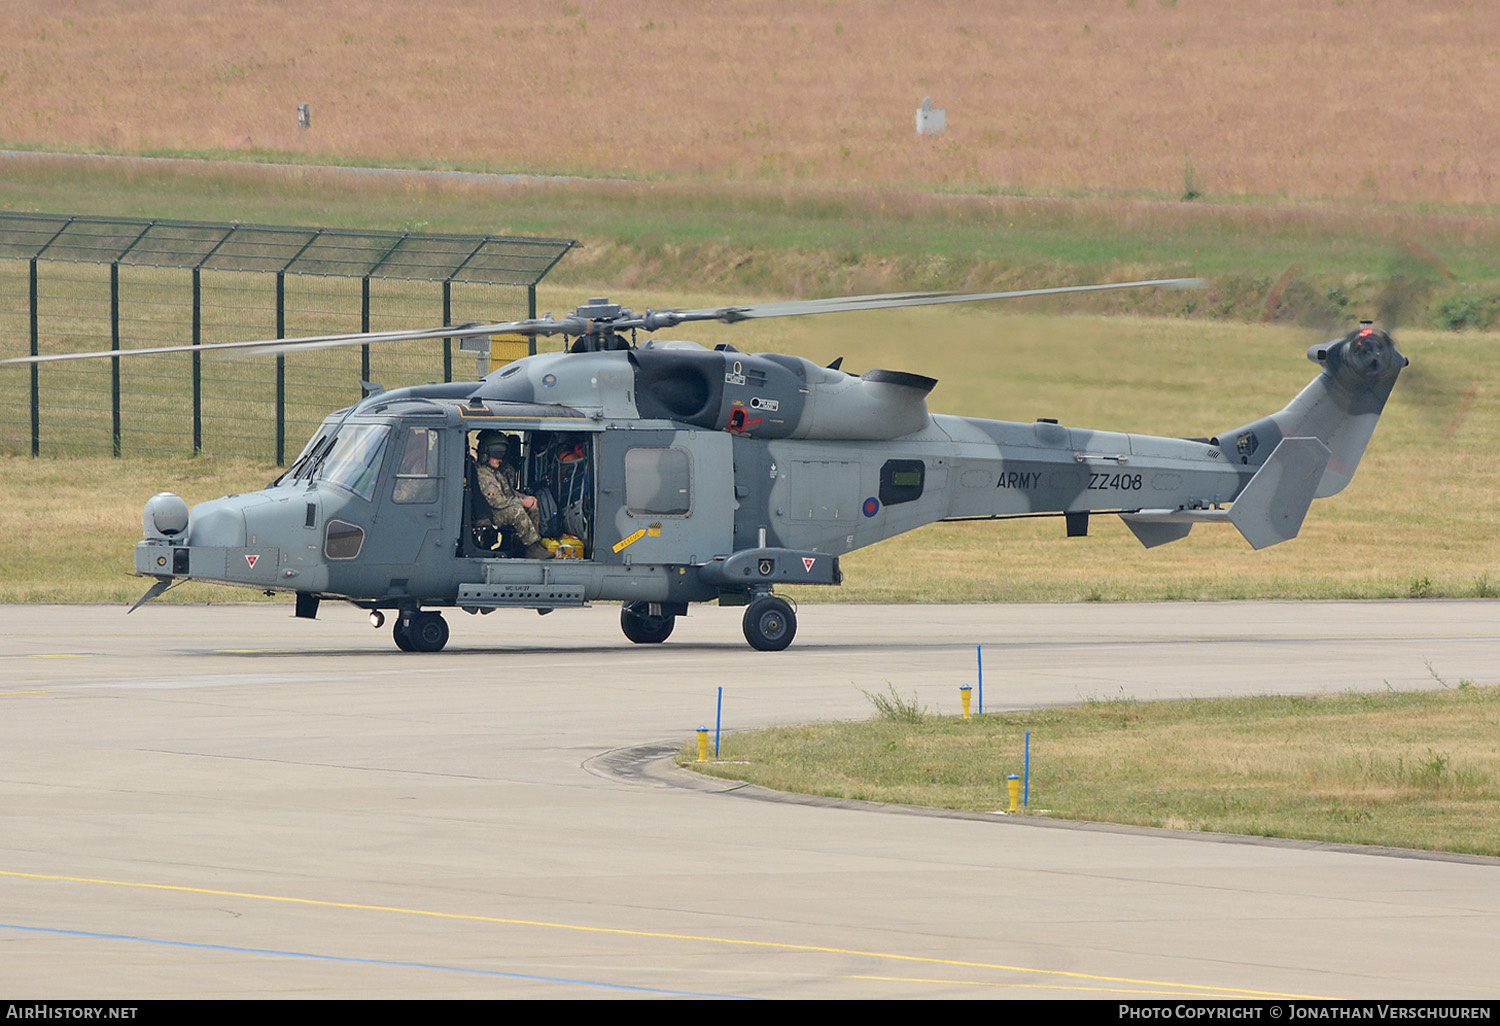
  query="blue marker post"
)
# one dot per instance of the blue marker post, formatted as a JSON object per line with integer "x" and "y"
{"x": 718, "y": 719}
{"x": 979, "y": 655}
{"x": 1026, "y": 797}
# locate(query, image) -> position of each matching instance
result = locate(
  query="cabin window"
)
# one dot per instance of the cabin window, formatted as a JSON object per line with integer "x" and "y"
{"x": 901, "y": 481}
{"x": 658, "y": 482}
{"x": 417, "y": 471}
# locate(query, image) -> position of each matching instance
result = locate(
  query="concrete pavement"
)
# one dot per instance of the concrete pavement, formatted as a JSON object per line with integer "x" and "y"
{"x": 227, "y": 802}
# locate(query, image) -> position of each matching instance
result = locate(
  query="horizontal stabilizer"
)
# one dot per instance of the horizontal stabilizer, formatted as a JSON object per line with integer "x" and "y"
{"x": 1269, "y": 509}
{"x": 1152, "y": 533}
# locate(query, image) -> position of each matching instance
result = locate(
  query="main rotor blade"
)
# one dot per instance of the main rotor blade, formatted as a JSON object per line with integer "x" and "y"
{"x": 849, "y": 304}
{"x": 574, "y": 325}
{"x": 286, "y": 345}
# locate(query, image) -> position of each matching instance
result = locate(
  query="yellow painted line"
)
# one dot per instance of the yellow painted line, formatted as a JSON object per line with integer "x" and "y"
{"x": 1035, "y": 986}
{"x": 627, "y": 542}
{"x": 8, "y": 694}
{"x": 1187, "y": 988}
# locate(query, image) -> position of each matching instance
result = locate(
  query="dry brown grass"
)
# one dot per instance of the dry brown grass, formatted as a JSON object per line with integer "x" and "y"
{"x": 1367, "y": 99}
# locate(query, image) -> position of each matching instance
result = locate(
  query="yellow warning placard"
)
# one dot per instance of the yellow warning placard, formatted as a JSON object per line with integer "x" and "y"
{"x": 625, "y": 543}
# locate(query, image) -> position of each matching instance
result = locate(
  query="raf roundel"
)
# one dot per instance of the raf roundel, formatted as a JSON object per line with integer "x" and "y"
{"x": 872, "y": 506}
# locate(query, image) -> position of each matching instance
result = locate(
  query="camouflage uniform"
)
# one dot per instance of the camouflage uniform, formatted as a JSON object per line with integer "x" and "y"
{"x": 506, "y": 505}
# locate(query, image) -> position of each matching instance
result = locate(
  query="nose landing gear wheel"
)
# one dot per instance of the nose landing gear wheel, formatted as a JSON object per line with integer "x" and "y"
{"x": 644, "y": 627}
{"x": 770, "y": 624}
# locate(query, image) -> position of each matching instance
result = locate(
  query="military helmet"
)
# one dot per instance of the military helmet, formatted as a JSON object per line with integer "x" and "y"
{"x": 493, "y": 443}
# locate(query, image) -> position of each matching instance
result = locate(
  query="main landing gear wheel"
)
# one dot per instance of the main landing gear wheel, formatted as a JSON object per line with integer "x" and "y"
{"x": 425, "y": 632}
{"x": 644, "y": 627}
{"x": 770, "y": 624}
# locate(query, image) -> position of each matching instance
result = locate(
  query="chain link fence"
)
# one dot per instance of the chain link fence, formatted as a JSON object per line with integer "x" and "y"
{"x": 80, "y": 284}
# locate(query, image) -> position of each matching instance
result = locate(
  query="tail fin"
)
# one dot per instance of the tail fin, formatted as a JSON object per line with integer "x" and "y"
{"x": 1272, "y": 506}
{"x": 1307, "y": 451}
{"x": 1339, "y": 407}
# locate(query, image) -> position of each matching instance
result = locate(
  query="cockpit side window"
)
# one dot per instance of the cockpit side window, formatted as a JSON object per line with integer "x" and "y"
{"x": 417, "y": 473}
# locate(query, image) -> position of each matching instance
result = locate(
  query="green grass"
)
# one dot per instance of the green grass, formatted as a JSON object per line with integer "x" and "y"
{"x": 1410, "y": 770}
{"x": 68, "y": 529}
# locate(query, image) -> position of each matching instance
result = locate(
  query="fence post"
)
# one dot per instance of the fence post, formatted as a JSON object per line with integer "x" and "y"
{"x": 364, "y": 326}
{"x": 280, "y": 370}
{"x": 114, "y": 361}
{"x": 197, "y": 362}
{"x": 36, "y": 391}
{"x": 447, "y": 320}
{"x": 531, "y": 313}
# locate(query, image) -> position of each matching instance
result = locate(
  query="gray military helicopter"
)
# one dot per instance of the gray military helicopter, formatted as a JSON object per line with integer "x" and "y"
{"x": 689, "y": 474}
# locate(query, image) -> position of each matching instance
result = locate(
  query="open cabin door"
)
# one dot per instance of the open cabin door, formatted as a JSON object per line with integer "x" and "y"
{"x": 551, "y": 458}
{"x": 665, "y": 497}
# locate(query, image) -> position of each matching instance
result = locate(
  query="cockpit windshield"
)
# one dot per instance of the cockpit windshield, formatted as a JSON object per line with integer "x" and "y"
{"x": 302, "y": 466}
{"x": 347, "y": 455}
{"x": 353, "y": 460}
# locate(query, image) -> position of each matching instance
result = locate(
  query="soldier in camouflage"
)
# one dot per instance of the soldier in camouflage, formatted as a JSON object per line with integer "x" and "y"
{"x": 509, "y": 506}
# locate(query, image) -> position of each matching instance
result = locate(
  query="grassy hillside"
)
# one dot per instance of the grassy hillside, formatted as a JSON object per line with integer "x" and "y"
{"x": 1327, "y": 263}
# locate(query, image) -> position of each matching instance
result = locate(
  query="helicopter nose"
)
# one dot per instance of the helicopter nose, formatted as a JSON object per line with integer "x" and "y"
{"x": 219, "y": 522}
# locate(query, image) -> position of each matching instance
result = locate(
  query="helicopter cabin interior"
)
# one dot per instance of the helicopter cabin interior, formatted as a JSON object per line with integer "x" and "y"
{"x": 555, "y": 468}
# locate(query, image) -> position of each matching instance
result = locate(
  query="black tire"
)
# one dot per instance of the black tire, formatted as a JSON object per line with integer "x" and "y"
{"x": 770, "y": 624}
{"x": 402, "y": 636}
{"x": 429, "y": 632}
{"x": 642, "y": 626}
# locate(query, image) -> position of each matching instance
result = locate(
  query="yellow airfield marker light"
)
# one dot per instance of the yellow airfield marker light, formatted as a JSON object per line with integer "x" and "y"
{"x": 1013, "y": 784}
{"x": 963, "y": 695}
{"x": 702, "y": 744}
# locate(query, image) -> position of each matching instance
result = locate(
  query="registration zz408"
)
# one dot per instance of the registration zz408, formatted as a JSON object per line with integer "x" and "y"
{"x": 1105, "y": 481}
